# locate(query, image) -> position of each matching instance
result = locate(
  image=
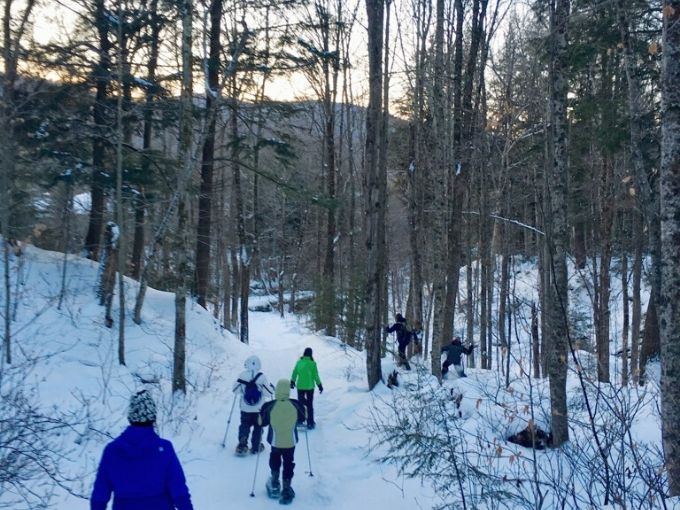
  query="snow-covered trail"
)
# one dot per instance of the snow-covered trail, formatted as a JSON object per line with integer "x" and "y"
{"x": 78, "y": 364}
{"x": 343, "y": 477}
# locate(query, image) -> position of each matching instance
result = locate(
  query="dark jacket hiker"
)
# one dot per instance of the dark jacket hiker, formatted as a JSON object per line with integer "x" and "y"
{"x": 454, "y": 352}
{"x": 403, "y": 338}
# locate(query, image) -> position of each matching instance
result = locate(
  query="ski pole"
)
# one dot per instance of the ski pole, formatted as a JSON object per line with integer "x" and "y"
{"x": 224, "y": 439}
{"x": 257, "y": 462}
{"x": 309, "y": 458}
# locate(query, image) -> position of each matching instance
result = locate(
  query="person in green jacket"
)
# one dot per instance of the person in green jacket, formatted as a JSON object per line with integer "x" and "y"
{"x": 281, "y": 415}
{"x": 306, "y": 375}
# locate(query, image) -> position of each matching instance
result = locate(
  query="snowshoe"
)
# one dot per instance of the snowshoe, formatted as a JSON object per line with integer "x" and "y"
{"x": 286, "y": 496}
{"x": 255, "y": 451}
{"x": 273, "y": 488}
{"x": 311, "y": 426}
{"x": 241, "y": 450}
{"x": 287, "y": 493}
{"x": 301, "y": 425}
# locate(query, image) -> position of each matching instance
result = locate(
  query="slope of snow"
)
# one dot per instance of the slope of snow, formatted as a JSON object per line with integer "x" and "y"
{"x": 77, "y": 372}
{"x": 70, "y": 358}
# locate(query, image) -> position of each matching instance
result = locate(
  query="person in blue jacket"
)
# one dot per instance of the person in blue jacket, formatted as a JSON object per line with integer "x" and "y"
{"x": 139, "y": 468}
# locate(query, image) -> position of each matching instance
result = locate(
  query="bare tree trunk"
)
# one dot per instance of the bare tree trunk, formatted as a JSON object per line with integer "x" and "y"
{"x": 439, "y": 170}
{"x": 603, "y": 314}
{"x": 119, "y": 195}
{"x": 11, "y": 51}
{"x": 235, "y": 277}
{"x": 331, "y": 69}
{"x": 242, "y": 258}
{"x": 638, "y": 241}
{"x": 140, "y": 207}
{"x": 624, "y": 298}
{"x": 470, "y": 309}
{"x": 485, "y": 262}
{"x": 375, "y": 10}
{"x": 183, "y": 272}
{"x": 203, "y": 228}
{"x": 417, "y": 165}
{"x": 66, "y": 222}
{"x": 102, "y": 77}
{"x": 504, "y": 301}
{"x": 7, "y": 163}
{"x": 107, "y": 266}
{"x": 669, "y": 305}
{"x": 559, "y": 242}
{"x": 535, "y": 342}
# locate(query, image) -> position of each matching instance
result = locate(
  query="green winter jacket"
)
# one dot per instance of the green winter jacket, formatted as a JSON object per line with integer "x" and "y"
{"x": 305, "y": 374}
{"x": 282, "y": 414}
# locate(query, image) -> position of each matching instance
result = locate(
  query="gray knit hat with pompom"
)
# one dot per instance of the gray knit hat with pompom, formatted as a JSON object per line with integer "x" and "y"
{"x": 142, "y": 410}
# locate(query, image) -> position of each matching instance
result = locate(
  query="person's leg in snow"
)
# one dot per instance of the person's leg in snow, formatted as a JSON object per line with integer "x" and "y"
{"x": 403, "y": 360}
{"x": 287, "y": 492}
{"x": 273, "y": 485}
{"x": 306, "y": 398}
{"x": 244, "y": 433}
{"x": 445, "y": 368}
{"x": 256, "y": 445}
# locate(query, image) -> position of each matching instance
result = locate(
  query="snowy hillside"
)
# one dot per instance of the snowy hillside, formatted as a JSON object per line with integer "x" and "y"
{"x": 67, "y": 361}
{"x": 74, "y": 370}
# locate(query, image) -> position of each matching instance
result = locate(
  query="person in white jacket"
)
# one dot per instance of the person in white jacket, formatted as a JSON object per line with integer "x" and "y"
{"x": 252, "y": 385}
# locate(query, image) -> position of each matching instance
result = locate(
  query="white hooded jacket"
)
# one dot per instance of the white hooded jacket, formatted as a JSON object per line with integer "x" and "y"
{"x": 252, "y": 367}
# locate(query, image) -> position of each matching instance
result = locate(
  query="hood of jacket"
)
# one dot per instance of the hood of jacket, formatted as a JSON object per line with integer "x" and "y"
{"x": 282, "y": 389}
{"x": 252, "y": 363}
{"x": 137, "y": 442}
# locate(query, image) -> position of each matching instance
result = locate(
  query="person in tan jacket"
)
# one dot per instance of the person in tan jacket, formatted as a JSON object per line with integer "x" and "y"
{"x": 281, "y": 416}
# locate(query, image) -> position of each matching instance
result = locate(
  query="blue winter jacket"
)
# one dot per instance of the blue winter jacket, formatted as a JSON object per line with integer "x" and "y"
{"x": 143, "y": 473}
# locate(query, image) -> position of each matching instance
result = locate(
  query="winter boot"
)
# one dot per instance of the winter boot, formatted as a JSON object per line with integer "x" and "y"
{"x": 274, "y": 486}
{"x": 287, "y": 493}
{"x": 256, "y": 449}
{"x": 242, "y": 448}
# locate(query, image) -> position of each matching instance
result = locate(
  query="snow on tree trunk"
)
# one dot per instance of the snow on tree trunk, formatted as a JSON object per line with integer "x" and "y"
{"x": 669, "y": 305}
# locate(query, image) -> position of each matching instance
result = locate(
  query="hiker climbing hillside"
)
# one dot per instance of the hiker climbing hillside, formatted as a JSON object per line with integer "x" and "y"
{"x": 403, "y": 339}
{"x": 305, "y": 376}
{"x": 454, "y": 352}
{"x": 252, "y": 385}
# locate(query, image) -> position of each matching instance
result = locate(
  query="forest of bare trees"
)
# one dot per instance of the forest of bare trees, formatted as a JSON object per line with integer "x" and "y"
{"x": 433, "y": 141}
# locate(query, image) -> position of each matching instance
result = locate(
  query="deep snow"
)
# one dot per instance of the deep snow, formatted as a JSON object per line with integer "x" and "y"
{"x": 70, "y": 358}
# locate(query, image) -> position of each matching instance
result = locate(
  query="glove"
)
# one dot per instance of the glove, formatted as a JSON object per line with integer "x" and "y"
{"x": 320, "y": 388}
{"x": 292, "y": 385}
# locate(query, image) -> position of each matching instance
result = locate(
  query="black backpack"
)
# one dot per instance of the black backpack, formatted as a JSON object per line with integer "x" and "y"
{"x": 252, "y": 393}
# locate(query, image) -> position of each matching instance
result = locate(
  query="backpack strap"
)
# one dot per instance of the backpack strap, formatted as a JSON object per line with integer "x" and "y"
{"x": 251, "y": 381}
